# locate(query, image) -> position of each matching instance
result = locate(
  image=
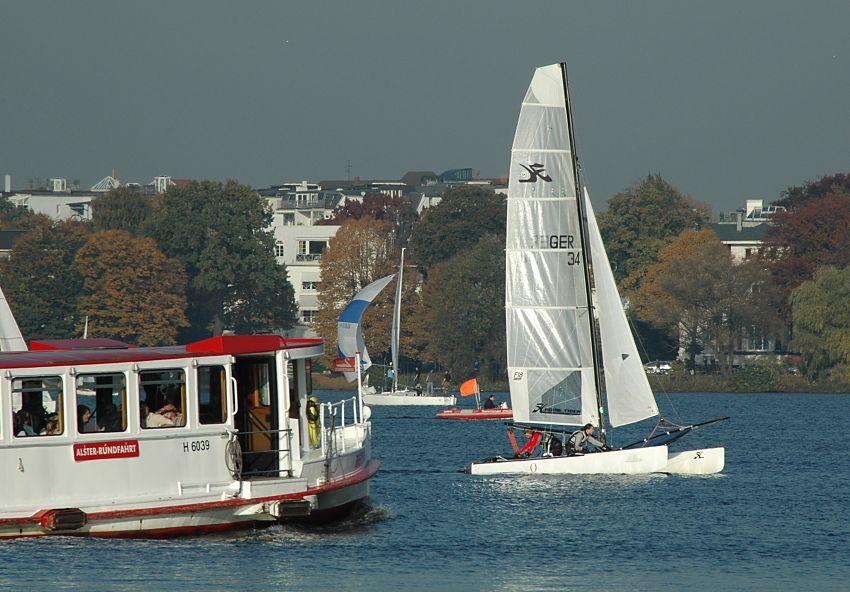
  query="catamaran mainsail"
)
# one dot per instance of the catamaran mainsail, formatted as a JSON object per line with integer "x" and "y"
{"x": 559, "y": 285}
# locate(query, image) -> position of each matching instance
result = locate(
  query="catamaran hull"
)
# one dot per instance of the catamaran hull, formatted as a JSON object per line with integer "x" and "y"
{"x": 638, "y": 461}
{"x": 706, "y": 461}
{"x": 407, "y": 399}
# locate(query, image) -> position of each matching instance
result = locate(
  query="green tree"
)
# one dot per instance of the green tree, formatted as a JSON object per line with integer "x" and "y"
{"x": 642, "y": 220}
{"x": 465, "y": 214}
{"x": 821, "y": 312}
{"x": 463, "y": 316}
{"x": 219, "y": 232}
{"x": 131, "y": 290}
{"x": 41, "y": 282}
{"x": 124, "y": 208}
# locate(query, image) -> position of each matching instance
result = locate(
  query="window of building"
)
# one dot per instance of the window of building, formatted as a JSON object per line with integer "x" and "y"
{"x": 37, "y": 406}
{"x": 278, "y": 249}
{"x": 289, "y": 219}
{"x": 310, "y": 250}
{"x": 308, "y": 316}
{"x": 212, "y": 394}
{"x": 162, "y": 398}
{"x": 309, "y": 286}
{"x": 101, "y": 403}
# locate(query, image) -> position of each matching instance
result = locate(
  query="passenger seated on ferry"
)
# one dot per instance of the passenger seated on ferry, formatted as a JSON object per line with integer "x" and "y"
{"x": 23, "y": 424}
{"x": 32, "y": 403}
{"x": 84, "y": 423}
{"x": 108, "y": 419}
{"x": 172, "y": 410}
{"x": 51, "y": 428}
{"x": 153, "y": 420}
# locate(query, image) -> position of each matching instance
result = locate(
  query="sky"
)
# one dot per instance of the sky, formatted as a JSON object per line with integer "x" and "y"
{"x": 727, "y": 100}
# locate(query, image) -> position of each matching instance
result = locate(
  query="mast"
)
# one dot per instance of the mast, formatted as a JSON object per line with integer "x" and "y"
{"x": 594, "y": 346}
{"x": 396, "y": 338}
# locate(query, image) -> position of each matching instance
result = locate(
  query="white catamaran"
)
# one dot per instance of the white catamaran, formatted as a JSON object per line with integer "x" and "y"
{"x": 562, "y": 307}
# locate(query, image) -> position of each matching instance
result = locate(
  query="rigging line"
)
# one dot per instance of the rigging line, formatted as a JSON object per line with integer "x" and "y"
{"x": 644, "y": 351}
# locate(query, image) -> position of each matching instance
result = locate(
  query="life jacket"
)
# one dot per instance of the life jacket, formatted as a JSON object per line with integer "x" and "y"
{"x": 571, "y": 442}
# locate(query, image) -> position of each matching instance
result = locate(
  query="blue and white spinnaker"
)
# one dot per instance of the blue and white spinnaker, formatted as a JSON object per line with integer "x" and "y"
{"x": 349, "y": 331}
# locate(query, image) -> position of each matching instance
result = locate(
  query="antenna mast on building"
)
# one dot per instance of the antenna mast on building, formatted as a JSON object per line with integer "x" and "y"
{"x": 348, "y": 169}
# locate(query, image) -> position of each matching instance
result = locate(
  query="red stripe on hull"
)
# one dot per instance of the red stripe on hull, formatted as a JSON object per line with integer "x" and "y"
{"x": 358, "y": 477}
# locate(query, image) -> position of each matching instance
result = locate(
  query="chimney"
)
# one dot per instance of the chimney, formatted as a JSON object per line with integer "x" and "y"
{"x": 7, "y": 184}
{"x": 739, "y": 220}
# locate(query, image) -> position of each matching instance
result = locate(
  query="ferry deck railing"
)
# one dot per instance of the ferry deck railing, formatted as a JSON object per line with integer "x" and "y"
{"x": 334, "y": 418}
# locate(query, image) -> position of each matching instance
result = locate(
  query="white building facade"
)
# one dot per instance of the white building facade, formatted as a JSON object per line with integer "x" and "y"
{"x": 300, "y": 244}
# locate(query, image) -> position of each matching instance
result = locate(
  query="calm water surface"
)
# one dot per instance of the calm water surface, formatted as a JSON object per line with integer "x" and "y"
{"x": 775, "y": 519}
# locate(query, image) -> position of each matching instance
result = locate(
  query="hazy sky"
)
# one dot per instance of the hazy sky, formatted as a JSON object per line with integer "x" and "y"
{"x": 727, "y": 100}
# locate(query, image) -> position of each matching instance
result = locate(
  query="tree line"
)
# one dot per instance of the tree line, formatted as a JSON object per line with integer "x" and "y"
{"x": 155, "y": 270}
{"x": 682, "y": 285}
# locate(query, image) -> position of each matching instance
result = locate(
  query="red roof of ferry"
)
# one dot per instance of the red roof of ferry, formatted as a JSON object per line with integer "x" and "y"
{"x": 50, "y": 354}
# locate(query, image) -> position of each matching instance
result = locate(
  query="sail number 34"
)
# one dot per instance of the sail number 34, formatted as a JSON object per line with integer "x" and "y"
{"x": 560, "y": 241}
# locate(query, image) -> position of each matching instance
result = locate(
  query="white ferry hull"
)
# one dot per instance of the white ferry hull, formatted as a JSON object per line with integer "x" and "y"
{"x": 200, "y": 517}
{"x": 706, "y": 461}
{"x": 637, "y": 461}
{"x": 407, "y": 397}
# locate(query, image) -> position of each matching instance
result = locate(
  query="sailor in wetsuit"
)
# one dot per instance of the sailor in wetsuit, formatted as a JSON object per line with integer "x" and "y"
{"x": 533, "y": 439}
{"x": 580, "y": 441}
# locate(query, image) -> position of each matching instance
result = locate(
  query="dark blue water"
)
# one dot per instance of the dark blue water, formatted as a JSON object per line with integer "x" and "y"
{"x": 776, "y": 519}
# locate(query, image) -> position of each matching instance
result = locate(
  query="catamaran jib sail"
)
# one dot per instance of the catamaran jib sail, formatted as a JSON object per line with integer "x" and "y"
{"x": 10, "y": 334}
{"x": 349, "y": 331}
{"x": 550, "y": 353}
{"x": 627, "y": 389}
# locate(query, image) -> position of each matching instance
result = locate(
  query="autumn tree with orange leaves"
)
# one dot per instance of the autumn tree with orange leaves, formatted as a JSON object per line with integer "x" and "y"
{"x": 131, "y": 290}
{"x": 363, "y": 251}
{"x": 699, "y": 292}
{"x": 815, "y": 234}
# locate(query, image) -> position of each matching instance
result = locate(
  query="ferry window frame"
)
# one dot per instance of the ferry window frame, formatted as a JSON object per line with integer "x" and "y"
{"x": 223, "y": 418}
{"x": 125, "y": 417}
{"x": 141, "y": 390}
{"x": 59, "y": 402}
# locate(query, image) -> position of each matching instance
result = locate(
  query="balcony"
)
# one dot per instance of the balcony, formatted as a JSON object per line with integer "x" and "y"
{"x": 308, "y": 257}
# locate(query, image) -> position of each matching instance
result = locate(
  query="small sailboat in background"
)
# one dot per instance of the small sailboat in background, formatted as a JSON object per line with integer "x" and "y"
{"x": 564, "y": 317}
{"x": 350, "y": 341}
{"x": 467, "y": 389}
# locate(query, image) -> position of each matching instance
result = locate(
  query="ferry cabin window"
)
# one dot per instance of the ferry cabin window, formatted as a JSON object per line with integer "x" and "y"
{"x": 37, "y": 406}
{"x": 162, "y": 398}
{"x": 101, "y": 403}
{"x": 212, "y": 394}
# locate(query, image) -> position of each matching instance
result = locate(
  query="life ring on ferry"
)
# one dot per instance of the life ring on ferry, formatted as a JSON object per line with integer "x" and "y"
{"x": 313, "y": 426}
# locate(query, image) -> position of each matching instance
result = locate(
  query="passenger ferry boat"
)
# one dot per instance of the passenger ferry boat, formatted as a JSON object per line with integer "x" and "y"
{"x": 104, "y": 439}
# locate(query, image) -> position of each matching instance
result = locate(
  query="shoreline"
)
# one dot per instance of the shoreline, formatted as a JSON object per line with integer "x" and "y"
{"x": 659, "y": 384}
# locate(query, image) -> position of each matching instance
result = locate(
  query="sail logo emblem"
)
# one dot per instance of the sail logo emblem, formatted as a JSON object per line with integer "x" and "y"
{"x": 536, "y": 171}
{"x": 518, "y": 375}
